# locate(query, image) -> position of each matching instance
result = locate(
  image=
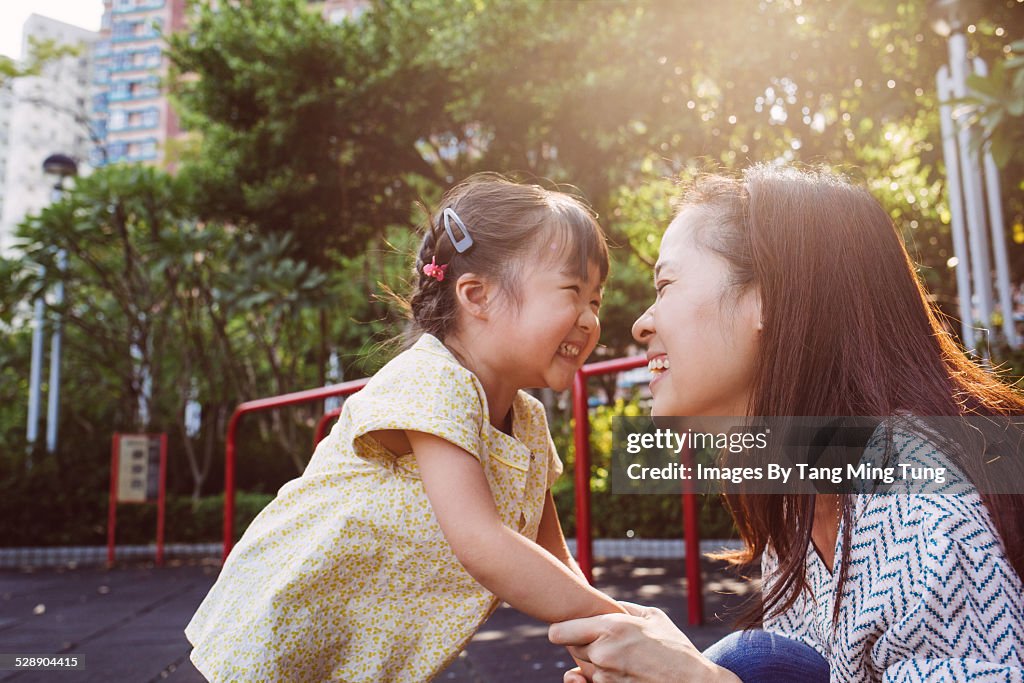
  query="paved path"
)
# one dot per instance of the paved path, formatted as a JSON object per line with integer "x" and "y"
{"x": 126, "y": 623}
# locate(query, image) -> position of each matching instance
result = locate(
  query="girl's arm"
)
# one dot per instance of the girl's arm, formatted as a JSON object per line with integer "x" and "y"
{"x": 550, "y": 537}
{"x": 511, "y": 566}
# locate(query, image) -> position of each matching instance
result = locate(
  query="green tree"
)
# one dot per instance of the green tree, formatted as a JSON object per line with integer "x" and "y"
{"x": 161, "y": 306}
{"x": 414, "y": 96}
{"x": 999, "y": 99}
{"x": 301, "y": 126}
{"x": 41, "y": 52}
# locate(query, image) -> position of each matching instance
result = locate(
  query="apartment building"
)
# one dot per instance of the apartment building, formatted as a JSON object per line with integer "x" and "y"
{"x": 130, "y": 111}
{"x": 45, "y": 114}
{"x": 106, "y": 105}
{"x": 6, "y": 107}
{"x": 336, "y": 11}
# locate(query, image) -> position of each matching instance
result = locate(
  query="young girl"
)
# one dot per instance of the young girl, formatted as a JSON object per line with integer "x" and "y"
{"x": 428, "y": 503}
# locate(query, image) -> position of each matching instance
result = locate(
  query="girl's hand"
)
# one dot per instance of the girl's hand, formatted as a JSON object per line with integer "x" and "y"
{"x": 583, "y": 673}
{"x": 576, "y": 676}
{"x": 641, "y": 646}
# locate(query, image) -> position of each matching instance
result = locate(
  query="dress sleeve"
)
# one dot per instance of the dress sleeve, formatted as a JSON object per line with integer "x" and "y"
{"x": 964, "y": 617}
{"x": 422, "y": 392}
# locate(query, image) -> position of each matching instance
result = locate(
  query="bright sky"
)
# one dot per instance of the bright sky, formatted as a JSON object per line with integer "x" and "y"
{"x": 13, "y": 13}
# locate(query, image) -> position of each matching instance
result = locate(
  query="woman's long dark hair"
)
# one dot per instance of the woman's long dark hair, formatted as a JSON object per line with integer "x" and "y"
{"x": 847, "y": 331}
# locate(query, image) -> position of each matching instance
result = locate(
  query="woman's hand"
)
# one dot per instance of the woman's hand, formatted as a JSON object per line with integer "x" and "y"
{"x": 642, "y": 646}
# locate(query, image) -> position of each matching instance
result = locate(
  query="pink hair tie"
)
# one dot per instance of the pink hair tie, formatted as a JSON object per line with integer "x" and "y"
{"x": 435, "y": 271}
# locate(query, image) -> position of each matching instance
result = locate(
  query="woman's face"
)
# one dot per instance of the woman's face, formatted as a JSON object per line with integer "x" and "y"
{"x": 701, "y": 333}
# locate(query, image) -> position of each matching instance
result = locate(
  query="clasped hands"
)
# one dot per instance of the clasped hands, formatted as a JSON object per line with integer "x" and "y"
{"x": 643, "y": 646}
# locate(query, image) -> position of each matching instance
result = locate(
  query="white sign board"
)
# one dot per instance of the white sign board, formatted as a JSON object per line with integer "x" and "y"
{"x": 138, "y": 469}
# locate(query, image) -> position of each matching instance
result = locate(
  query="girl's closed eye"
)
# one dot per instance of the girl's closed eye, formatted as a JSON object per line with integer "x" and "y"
{"x": 578, "y": 289}
{"x": 660, "y": 286}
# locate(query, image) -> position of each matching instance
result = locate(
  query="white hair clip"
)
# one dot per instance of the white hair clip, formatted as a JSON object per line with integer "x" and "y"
{"x": 466, "y": 241}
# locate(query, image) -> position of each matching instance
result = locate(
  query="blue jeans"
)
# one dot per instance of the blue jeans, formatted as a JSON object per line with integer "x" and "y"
{"x": 761, "y": 657}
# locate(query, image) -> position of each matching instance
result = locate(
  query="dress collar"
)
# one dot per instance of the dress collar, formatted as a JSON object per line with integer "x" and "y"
{"x": 431, "y": 344}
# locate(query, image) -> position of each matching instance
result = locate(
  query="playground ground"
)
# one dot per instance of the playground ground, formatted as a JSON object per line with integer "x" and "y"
{"x": 125, "y": 624}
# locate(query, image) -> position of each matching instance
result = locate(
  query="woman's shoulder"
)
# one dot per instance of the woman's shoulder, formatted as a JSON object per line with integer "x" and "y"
{"x": 931, "y": 534}
{"x": 911, "y": 455}
{"x": 932, "y": 507}
{"x": 961, "y": 516}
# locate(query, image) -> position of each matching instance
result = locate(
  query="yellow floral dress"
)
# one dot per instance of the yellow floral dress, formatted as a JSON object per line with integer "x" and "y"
{"x": 346, "y": 575}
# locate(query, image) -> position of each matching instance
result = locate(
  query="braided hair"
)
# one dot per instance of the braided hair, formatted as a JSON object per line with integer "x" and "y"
{"x": 433, "y": 301}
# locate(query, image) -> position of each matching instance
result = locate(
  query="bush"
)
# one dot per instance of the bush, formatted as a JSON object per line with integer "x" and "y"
{"x": 42, "y": 508}
{"x": 188, "y": 521}
{"x": 647, "y": 516}
{"x": 54, "y": 503}
{"x": 63, "y": 500}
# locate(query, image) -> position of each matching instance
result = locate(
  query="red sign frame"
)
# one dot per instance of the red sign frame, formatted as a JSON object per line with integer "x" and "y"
{"x": 161, "y": 499}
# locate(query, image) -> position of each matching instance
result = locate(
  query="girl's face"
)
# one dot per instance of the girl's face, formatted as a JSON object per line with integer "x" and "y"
{"x": 701, "y": 333}
{"x": 547, "y": 338}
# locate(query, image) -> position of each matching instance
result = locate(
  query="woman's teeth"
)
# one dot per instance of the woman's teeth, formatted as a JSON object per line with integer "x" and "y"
{"x": 658, "y": 365}
{"x": 568, "y": 350}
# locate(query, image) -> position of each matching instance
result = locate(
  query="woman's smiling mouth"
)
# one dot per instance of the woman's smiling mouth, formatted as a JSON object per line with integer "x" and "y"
{"x": 658, "y": 364}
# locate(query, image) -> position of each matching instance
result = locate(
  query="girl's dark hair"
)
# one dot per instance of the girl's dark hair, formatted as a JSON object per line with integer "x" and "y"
{"x": 847, "y": 331}
{"x": 508, "y": 222}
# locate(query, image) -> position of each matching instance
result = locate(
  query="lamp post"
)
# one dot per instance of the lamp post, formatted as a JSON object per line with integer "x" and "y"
{"x": 35, "y": 379}
{"x": 334, "y": 375}
{"x": 61, "y": 166}
{"x": 968, "y": 188}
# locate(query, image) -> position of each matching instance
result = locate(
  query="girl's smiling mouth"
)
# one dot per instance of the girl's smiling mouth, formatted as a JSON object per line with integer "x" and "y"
{"x": 569, "y": 350}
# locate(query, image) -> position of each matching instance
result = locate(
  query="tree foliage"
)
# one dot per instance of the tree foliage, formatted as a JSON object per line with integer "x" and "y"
{"x": 999, "y": 99}
{"x": 303, "y": 127}
{"x": 40, "y": 53}
{"x": 332, "y": 132}
{"x": 311, "y": 144}
{"x": 161, "y": 308}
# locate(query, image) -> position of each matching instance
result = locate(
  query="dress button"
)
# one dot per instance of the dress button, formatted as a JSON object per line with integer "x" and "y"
{"x": 532, "y": 456}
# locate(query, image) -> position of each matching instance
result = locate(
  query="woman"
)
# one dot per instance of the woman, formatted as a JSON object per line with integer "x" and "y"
{"x": 790, "y": 293}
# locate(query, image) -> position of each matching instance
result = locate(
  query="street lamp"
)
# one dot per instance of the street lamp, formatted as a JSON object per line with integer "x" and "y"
{"x": 61, "y": 166}
{"x": 969, "y": 188}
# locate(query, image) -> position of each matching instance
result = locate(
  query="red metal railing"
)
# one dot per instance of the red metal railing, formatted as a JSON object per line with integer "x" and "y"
{"x": 584, "y": 541}
{"x": 321, "y": 425}
{"x": 343, "y": 389}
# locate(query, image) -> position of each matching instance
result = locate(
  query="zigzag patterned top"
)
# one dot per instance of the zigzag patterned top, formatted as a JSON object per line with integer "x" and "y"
{"x": 929, "y": 596}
